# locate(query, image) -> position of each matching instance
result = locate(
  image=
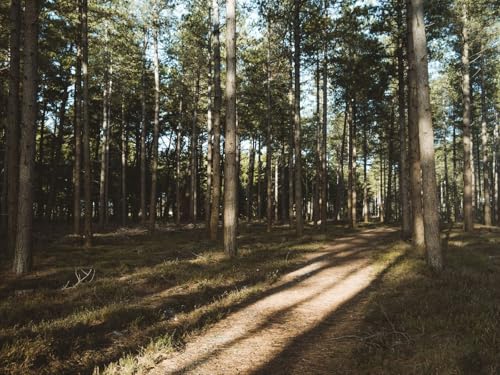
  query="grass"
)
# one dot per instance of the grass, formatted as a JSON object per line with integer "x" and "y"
{"x": 150, "y": 292}
{"x": 416, "y": 322}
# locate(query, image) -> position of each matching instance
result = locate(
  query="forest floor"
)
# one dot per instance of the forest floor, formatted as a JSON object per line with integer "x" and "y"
{"x": 351, "y": 301}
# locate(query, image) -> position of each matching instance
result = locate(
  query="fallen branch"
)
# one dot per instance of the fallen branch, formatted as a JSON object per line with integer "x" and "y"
{"x": 82, "y": 276}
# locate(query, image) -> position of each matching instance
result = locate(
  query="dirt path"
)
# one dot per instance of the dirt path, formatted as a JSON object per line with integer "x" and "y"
{"x": 251, "y": 339}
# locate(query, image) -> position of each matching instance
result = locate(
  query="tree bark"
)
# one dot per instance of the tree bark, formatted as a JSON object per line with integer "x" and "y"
{"x": 230, "y": 146}
{"x": 87, "y": 169}
{"x": 78, "y": 127}
{"x": 143, "y": 131}
{"x": 103, "y": 203}
{"x": 418, "y": 239}
{"x": 156, "y": 122}
{"x": 251, "y": 171}
{"x": 193, "y": 196}
{"x": 208, "y": 197}
{"x": 178, "y": 168}
{"x": 24, "y": 235}
{"x": 13, "y": 123}
{"x": 352, "y": 163}
{"x": 123, "y": 130}
{"x": 216, "y": 189}
{"x": 486, "y": 158}
{"x": 299, "y": 216}
{"x": 403, "y": 152}
{"x": 468, "y": 210}
{"x": 269, "y": 146}
{"x": 426, "y": 139}
{"x": 324, "y": 169}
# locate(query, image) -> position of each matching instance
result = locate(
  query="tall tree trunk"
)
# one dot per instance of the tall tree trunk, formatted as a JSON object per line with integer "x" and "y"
{"x": 124, "y": 210}
{"x": 269, "y": 146}
{"x": 40, "y": 198}
{"x": 193, "y": 196}
{"x": 87, "y": 170}
{"x": 317, "y": 175}
{"x": 216, "y": 189}
{"x": 283, "y": 194}
{"x": 418, "y": 239}
{"x": 297, "y": 36}
{"x": 276, "y": 188}
{"x": 251, "y": 170}
{"x": 468, "y": 210}
{"x": 103, "y": 203}
{"x": 366, "y": 215}
{"x": 208, "y": 196}
{"x": 13, "y": 123}
{"x": 403, "y": 164}
{"x": 24, "y": 243}
{"x": 259, "y": 181}
{"x": 324, "y": 169}
{"x": 290, "y": 142}
{"x": 339, "y": 199}
{"x": 390, "y": 154}
{"x": 178, "y": 168}
{"x": 78, "y": 127}
{"x": 143, "y": 131}
{"x": 486, "y": 158}
{"x": 352, "y": 163}
{"x": 426, "y": 138}
{"x": 156, "y": 123}
{"x": 230, "y": 146}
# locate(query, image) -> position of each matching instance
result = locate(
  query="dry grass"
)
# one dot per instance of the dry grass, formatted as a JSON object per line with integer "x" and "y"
{"x": 149, "y": 293}
{"x": 436, "y": 324}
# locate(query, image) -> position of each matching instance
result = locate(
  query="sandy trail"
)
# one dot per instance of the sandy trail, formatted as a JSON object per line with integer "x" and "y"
{"x": 252, "y": 337}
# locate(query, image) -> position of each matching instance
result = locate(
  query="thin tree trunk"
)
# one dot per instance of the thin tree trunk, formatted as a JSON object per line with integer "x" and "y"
{"x": 78, "y": 127}
{"x": 216, "y": 189}
{"x": 14, "y": 123}
{"x": 318, "y": 130}
{"x": 283, "y": 195}
{"x": 87, "y": 170}
{"x": 156, "y": 123}
{"x": 143, "y": 132}
{"x": 403, "y": 152}
{"x": 468, "y": 210}
{"x": 103, "y": 204}
{"x": 24, "y": 235}
{"x": 339, "y": 200}
{"x": 324, "y": 169}
{"x": 426, "y": 138}
{"x": 486, "y": 158}
{"x": 390, "y": 154}
{"x": 208, "y": 196}
{"x": 366, "y": 215}
{"x": 290, "y": 143}
{"x": 418, "y": 239}
{"x": 259, "y": 181}
{"x": 193, "y": 196}
{"x": 297, "y": 36}
{"x": 178, "y": 168}
{"x": 269, "y": 146}
{"x": 352, "y": 164}
{"x": 124, "y": 210}
{"x": 251, "y": 171}
{"x": 230, "y": 146}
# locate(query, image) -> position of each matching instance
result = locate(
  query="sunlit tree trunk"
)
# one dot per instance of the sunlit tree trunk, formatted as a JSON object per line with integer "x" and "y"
{"x": 290, "y": 144}
{"x": 216, "y": 188}
{"x": 24, "y": 233}
{"x": 104, "y": 146}
{"x": 156, "y": 122}
{"x": 468, "y": 210}
{"x": 324, "y": 169}
{"x": 366, "y": 214}
{"x": 297, "y": 35}
{"x": 426, "y": 139}
{"x": 178, "y": 167}
{"x": 208, "y": 196}
{"x": 418, "y": 239}
{"x": 352, "y": 164}
{"x": 230, "y": 146}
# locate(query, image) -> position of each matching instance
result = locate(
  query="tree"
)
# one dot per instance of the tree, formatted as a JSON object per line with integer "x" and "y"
{"x": 216, "y": 187}
{"x": 24, "y": 233}
{"x": 426, "y": 138}
{"x": 230, "y": 168}
{"x": 13, "y": 123}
